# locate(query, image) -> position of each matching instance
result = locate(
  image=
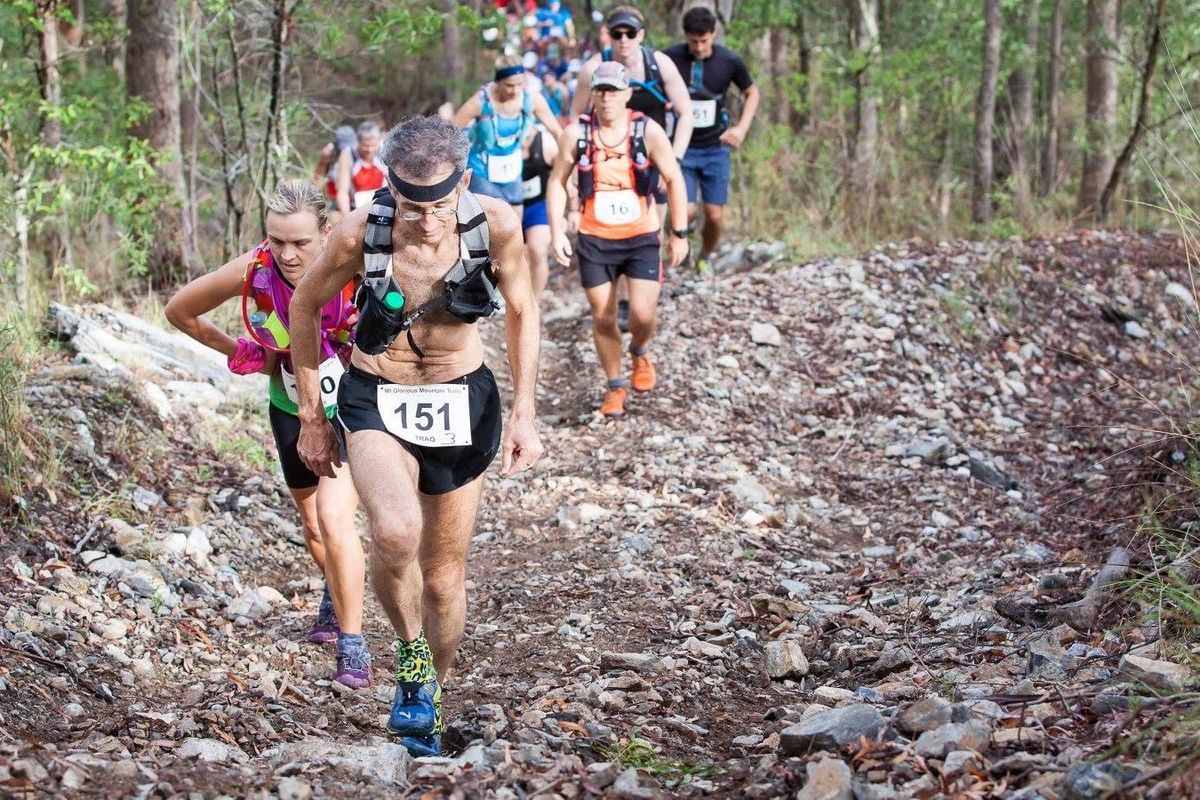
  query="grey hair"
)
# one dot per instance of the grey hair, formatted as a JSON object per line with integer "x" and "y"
{"x": 297, "y": 196}
{"x": 417, "y": 146}
{"x": 368, "y": 129}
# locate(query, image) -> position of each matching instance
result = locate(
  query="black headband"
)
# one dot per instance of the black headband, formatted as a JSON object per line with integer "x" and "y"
{"x": 425, "y": 194}
{"x": 508, "y": 72}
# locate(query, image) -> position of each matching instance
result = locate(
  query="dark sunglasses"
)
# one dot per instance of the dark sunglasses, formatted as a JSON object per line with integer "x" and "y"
{"x": 623, "y": 33}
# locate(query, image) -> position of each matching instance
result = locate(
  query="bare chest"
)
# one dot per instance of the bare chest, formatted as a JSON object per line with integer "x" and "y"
{"x": 421, "y": 275}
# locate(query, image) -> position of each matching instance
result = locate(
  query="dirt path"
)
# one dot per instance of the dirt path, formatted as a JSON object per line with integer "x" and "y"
{"x": 860, "y": 483}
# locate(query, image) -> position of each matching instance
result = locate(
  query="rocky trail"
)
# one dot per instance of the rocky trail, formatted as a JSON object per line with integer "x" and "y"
{"x": 855, "y": 547}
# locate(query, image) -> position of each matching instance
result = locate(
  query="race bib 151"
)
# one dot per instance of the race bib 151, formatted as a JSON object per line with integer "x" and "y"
{"x": 704, "y": 113}
{"x": 438, "y": 415}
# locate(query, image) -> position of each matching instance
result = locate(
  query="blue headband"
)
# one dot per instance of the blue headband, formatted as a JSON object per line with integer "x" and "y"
{"x": 425, "y": 194}
{"x": 508, "y": 72}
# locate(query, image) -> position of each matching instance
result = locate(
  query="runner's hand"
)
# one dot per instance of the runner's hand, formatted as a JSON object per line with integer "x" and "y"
{"x": 677, "y": 250}
{"x": 573, "y": 222}
{"x": 733, "y": 138}
{"x": 318, "y": 448}
{"x": 521, "y": 447}
{"x": 562, "y": 250}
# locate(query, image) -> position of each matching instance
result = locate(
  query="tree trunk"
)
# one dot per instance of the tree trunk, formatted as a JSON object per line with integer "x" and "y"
{"x": 1101, "y": 105}
{"x": 451, "y": 47}
{"x": 779, "y": 72}
{"x": 945, "y": 178}
{"x": 864, "y": 39}
{"x": 20, "y": 201}
{"x": 51, "y": 73}
{"x": 115, "y": 52}
{"x": 1020, "y": 111}
{"x": 1053, "y": 85}
{"x": 806, "y": 115}
{"x": 985, "y": 113}
{"x": 1139, "y": 124}
{"x": 152, "y": 72}
{"x": 270, "y": 171}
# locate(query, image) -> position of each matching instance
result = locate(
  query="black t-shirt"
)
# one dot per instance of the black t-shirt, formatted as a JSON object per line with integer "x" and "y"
{"x": 717, "y": 72}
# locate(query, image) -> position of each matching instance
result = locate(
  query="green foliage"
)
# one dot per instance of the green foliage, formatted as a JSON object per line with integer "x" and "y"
{"x": 643, "y": 755}
{"x": 403, "y": 26}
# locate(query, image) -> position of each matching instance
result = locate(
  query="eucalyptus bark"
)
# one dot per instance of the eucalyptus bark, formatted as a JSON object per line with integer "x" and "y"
{"x": 864, "y": 40}
{"x": 1020, "y": 110}
{"x": 1101, "y": 102}
{"x": 1053, "y": 92}
{"x": 152, "y": 76}
{"x": 985, "y": 114}
{"x": 451, "y": 47}
{"x": 1143, "y": 112}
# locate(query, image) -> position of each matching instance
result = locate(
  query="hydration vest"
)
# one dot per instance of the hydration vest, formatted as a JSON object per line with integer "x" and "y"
{"x": 470, "y": 286}
{"x": 272, "y": 294}
{"x": 487, "y": 139}
{"x": 645, "y": 176}
{"x": 535, "y": 172}
{"x": 649, "y": 96}
{"x": 699, "y": 92}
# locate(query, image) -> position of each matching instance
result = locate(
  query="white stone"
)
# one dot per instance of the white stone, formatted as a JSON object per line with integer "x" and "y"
{"x": 765, "y": 333}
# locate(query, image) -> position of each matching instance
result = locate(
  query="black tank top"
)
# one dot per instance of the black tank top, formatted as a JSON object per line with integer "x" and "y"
{"x": 535, "y": 169}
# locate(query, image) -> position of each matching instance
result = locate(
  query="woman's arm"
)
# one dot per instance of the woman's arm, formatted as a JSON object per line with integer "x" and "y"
{"x": 187, "y": 308}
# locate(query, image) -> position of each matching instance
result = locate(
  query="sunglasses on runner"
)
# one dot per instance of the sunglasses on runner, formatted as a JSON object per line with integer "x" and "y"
{"x": 623, "y": 33}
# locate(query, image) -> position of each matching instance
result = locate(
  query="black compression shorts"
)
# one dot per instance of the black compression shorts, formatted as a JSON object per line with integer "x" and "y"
{"x": 442, "y": 469}
{"x": 286, "y": 428}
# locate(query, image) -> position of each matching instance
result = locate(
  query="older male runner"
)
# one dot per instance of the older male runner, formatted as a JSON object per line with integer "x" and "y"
{"x": 421, "y": 410}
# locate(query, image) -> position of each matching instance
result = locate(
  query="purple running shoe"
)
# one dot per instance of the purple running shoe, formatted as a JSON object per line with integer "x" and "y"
{"x": 353, "y": 662}
{"x": 325, "y": 630}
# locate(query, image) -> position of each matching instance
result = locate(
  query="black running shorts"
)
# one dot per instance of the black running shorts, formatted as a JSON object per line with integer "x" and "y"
{"x": 442, "y": 469}
{"x": 602, "y": 261}
{"x": 286, "y": 428}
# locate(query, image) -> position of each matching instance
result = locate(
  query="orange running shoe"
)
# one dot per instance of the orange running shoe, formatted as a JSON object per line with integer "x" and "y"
{"x": 614, "y": 402}
{"x": 644, "y": 377}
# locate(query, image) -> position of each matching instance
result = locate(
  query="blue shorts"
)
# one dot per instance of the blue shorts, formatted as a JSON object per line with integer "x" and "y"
{"x": 708, "y": 167}
{"x": 534, "y": 215}
{"x": 508, "y": 192}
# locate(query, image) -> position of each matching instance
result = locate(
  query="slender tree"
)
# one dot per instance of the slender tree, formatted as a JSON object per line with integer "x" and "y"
{"x": 864, "y": 40}
{"x": 152, "y": 76}
{"x": 1053, "y": 88}
{"x": 1101, "y": 102}
{"x": 985, "y": 113}
{"x": 1020, "y": 108}
{"x": 1143, "y": 112}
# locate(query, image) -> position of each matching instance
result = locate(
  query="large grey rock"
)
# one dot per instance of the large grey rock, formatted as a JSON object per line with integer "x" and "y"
{"x": 638, "y": 662}
{"x": 828, "y": 779}
{"x": 212, "y": 750}
{"x": 1152, "y": 672}
{"x": 971, "y": 735}
{"x": 928, "y": 714}
{"x": 143, "y": 578}
{"x": 830, "y": 730}
{"x": 1089, "y": 781}
{"x": 765, "y": 333}
{"x": 249, "y": 604}
{"x": 375, "y": 761}
{"x": 785, "y": 660}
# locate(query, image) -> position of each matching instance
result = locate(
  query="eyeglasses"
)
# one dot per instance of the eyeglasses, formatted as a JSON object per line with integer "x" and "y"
{"x": 440, "y": 213}
{"x": 623, "y": 33}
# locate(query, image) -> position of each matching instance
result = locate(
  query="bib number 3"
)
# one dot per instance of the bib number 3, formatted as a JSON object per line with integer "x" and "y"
{"x": 330, "y": 373}
{"x": 438, "y": 415}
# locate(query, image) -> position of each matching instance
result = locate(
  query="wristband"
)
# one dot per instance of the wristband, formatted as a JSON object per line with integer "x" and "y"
{"x": 249, "y": 358}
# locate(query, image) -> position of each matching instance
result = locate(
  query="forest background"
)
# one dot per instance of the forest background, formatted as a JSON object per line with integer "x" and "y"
{"x": 140, "y": 138}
